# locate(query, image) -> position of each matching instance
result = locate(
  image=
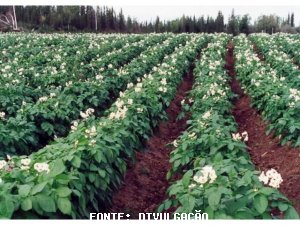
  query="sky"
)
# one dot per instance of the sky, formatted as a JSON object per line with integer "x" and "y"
{"x": 167, "y": 12}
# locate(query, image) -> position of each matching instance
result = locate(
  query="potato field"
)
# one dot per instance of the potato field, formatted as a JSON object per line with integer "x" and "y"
{"x": 136, "y": 123}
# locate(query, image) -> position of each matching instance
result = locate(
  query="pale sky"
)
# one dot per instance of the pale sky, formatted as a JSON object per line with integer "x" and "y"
{"x": 168, "y": 12}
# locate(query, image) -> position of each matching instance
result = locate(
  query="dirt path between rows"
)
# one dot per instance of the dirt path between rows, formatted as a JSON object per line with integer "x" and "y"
{"x": 145, "y": 184}
{"x": 265, "y": 150}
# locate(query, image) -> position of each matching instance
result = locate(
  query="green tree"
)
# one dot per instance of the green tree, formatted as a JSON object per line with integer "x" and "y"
{"x": 233, "y": 24}
{"x": 244, "y": 24}
{"x": 292, "y": 20}
{"x": 219, "y": 22}
{"x": 121, "y": 22}
{"x": 157, "y": 25}
{"x": 129, "y": 24}
{"x": 268, "y": 24}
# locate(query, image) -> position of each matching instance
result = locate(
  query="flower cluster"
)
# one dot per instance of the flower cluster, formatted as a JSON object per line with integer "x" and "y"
{"x": 69, "y": 83}
{"x": 99, "y": 77}
{"x": 74, "y": 126}
{"x": 271, "y": 177}
{"x": 207, "y": 174}
{"x": 129, "y": 85}
{"x": 139, "y": 110}
{"x": 3, "y": 163}
{"x": 192, "y": 136}
{"x": 91, "y": 132}
{"x": 163, "y": 89}
{"x": 43, "y": 99}
{"x": 121, "y": 111}
{"x": 138, "y": 87}
{"x": 41, "y": 167}
{"x": 164, "y": 81}
{"x": 130, "y": 101}
{"x": 2, "y": 115}
{"x": 243, "y": 136}
{"x": 25, "y": 164}
{"x": 206, "y": 115}
{"x": 87, "y": 113}
{"x": 295, "y": 96}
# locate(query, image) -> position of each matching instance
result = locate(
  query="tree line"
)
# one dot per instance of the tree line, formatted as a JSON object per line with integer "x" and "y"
{"x": 107, "y": 19}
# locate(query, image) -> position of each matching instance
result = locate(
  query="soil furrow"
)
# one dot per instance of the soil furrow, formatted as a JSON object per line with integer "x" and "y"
{"x": 145, "y": 183}
{"x": 265, "y": 150}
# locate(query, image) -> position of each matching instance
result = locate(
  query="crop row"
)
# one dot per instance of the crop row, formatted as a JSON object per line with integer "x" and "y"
{"x": 41, "y": 70}
{"x": 219, "y": 177}
{"x": 279, "y": 61}
{"x": 28, "y": 84}
{"x": 278, "y": 102}
{"x": 36, "y": 124}
{"x": 288, "y": 44}
{"x": 78, "y": 174}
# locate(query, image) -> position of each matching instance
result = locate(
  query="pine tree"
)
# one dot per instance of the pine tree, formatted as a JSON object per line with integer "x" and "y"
{"x": 244, "y": 24}
{"x": 157, "y": 25}
{"x": 129, "y": 24}
{"x": 121, "y": 22}
{"x": 292, "y": 20}
{"x": 219, "y": 22}
{"x": 233, "y": 24}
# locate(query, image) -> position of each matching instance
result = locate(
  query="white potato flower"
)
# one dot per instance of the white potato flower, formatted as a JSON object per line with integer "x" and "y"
{"x": 2, "y": 115}
{"x": 3, "y": 163}
{"x": 130, "y": 101}
{"x": 41, "y": 167}
{"x": 206, "y": 115}
{"x": 25, "y": 162}
{"x": 271, "y": 177}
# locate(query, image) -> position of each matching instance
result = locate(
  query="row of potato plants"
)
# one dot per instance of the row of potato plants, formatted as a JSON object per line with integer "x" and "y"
{"x": 277, "y": 100}
{"x": 37, "y": 124}
{"x": 49, "y": 62}
{"x": 39, "y": 55}
{"x": 280, "y": 61}
{"x": 27, "y": 83}
{"x": 288, "y": 44}
{"x": 218, "y": 176}
{"x": 78, "y": 174}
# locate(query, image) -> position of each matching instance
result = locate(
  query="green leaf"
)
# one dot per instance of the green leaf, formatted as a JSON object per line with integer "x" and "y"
{"x": 188, "y": 202}
{"x": 186, "y": 178}
{"x": 214, "y": 198}
{"x": 24, "y": 190}
{"x": 292, "y": 129}
{"x": 243, "y": 215}
{"x": 260, "y": 203}
{"x": 64, "y": 205}
{"x": 57, "y": 168}
{"x": 291, "y": 213}
{"x": 282, "y": 206}
{"x": 76, "y": 161}
{"x": 63, "y": 191}
{"x": 6, "y": 208}
{"x": 267, "y": 191}
{"x": 38, "y": 188}
{"x": 26, "y": 204}
{"x": 160, "y": 208}
{"x": 230, "y": 146}
{"x": 102, "y": 173}
{"x": 46, "y": 203}
{"x": 62, "y": 179}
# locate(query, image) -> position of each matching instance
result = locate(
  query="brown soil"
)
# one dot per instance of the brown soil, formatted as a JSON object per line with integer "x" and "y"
{"x": 265, "y": 150}
{"x": 145, "y": 183}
